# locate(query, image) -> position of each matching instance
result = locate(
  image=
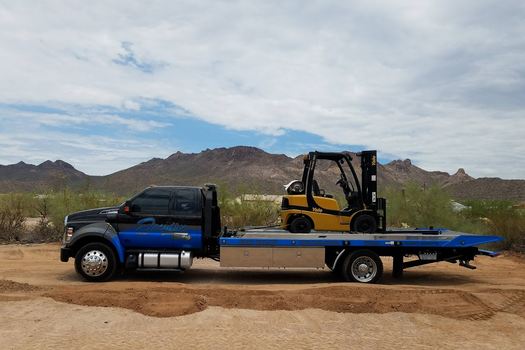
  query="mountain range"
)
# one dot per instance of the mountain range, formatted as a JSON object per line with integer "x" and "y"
{"x": 242, "y": 169}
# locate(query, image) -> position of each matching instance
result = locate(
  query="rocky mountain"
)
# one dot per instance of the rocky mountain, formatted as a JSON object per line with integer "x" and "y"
{"x": 243, "y": 169}
{"x": 28, "y": 177}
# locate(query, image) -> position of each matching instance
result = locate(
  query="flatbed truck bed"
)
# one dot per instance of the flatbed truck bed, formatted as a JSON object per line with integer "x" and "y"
{"x": 338, "y": 251}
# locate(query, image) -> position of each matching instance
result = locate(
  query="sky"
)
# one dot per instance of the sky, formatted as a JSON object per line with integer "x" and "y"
{"x": 106, "y": 85}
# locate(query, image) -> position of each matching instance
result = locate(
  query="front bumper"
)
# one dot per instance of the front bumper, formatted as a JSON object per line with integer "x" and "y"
{"x": 65, "y": 254}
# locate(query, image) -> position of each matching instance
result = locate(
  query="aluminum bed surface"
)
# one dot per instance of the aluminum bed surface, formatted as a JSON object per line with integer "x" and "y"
{"x": 400, "y": 238}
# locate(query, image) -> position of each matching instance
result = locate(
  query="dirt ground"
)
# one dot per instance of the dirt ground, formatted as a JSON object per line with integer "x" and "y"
{"x": 44, "y": 304}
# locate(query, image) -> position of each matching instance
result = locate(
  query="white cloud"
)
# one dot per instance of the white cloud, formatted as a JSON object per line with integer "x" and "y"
{"x": 102, "y": 154}
{"x": 441, "y": 82}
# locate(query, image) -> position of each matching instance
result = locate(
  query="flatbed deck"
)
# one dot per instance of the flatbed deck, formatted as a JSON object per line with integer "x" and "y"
{"x": 356, "y": 256}
{"x": 441, "y": 238}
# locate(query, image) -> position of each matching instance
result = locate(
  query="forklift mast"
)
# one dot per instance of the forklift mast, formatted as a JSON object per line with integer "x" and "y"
{"x": 369, "y": 187}
{"x": 369, "y": 178}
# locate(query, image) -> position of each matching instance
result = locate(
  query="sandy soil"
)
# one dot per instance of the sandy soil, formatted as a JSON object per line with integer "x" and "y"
{"x": 44, "y": 304}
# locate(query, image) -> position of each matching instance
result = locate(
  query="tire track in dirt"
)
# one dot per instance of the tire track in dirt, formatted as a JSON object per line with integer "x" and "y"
{"x": 514, "y": 304}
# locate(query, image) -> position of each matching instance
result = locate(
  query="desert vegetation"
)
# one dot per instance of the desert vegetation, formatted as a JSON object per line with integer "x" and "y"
{"x": 30, "y": 217}
{"x": 416, "y": 206}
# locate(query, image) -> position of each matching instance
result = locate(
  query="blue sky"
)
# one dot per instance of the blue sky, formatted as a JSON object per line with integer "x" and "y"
{"x": 118, "y": 138}
{"x": 107, "y": 85}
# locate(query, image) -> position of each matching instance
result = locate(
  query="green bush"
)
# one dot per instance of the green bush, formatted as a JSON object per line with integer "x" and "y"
{"x": 12, "y": 217}
{"x": 50, "y": 208}
{"x": 415, "y": 206}
{"x": 501, "y": 218}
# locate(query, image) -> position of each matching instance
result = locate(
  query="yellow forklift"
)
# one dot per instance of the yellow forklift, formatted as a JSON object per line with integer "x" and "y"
{"x": 307, "y": 207}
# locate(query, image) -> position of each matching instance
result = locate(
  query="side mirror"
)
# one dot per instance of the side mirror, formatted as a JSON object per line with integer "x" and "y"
{"x": 126, "y": 208}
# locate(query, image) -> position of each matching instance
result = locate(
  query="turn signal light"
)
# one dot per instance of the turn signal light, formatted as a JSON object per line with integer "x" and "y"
{"x": 69, "y": 233}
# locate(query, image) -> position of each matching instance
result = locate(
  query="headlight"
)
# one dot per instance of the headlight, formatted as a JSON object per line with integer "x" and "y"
{"x": 65, "y": 220}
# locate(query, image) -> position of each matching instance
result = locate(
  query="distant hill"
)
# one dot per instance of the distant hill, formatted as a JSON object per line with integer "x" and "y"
{"x": 22, "y": 177}
{"x": 246, "y": 169}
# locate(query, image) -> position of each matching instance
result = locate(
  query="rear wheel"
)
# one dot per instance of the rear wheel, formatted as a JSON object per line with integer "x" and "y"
{"x": 300, "y": 224}
{"x": 364, "y": 223}
{"x": 96, "y": 262}
{"x": 362, "y": 266}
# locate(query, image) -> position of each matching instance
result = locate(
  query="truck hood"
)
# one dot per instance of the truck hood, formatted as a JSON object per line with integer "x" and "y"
{"x": 98, "y": 214}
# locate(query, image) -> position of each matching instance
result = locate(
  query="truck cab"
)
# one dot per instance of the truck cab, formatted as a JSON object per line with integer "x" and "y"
{"x": 160, "y": 227}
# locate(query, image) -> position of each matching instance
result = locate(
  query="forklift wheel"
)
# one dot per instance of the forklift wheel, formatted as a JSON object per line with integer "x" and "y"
{"x": 300, "y": 224}
{"x": 364, "y": 223}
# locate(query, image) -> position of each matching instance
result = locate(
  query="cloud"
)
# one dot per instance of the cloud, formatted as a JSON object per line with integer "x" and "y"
{"x": 98, "y": 154}
{"x": 441, "y": 82}
{"x": 128, "y": 58}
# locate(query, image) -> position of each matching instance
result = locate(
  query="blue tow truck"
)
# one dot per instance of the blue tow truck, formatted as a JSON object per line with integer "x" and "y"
{"x": 166, "y": 227}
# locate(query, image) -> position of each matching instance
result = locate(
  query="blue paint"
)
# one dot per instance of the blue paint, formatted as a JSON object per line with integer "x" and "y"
{"x": 423, "y": 241}
{"x": 118, "y": 246}
{"x": 158, "y": 237}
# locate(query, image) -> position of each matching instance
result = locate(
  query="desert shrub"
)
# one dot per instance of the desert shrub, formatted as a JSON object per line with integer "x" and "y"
{"x": 50, "y": 208}
{"x": 44, "y": 230}
{"x": 417, "y": 206}
{"x": 500, "y": 218}
{"x": 237, "y": 212}
{"x": 11, "y": 217}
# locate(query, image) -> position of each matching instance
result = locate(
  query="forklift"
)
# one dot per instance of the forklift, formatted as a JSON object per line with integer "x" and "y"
{"x": 307, "y": 207}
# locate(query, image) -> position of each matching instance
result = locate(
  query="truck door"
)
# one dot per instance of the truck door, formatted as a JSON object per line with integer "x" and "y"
{"x": 186, "y": 209}
{"x": 150, "y": 223}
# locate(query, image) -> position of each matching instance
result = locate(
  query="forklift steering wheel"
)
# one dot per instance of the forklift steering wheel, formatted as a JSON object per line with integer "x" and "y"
{"x": 344, "y": 185}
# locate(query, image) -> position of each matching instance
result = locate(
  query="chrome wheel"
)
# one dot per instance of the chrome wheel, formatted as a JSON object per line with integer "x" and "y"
{"x": 94, "y": 263}
{"x": 364, "y": 269}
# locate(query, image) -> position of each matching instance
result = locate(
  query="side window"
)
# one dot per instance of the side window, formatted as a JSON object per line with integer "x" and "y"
{"x": 186, "y": 202}
{"x": 153, "y": 201}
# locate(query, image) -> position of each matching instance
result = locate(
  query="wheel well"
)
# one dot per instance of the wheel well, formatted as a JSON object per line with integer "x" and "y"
{"x": 337, "y": 255}
{"x": 92, "y": 239}
{"x": 293, "y": 216}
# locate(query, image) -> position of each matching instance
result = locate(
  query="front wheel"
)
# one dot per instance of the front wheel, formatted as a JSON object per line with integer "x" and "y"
{"x": 363, "y": 266}
{"x": 96, "y": 262}
{"x": 364, "y": 223}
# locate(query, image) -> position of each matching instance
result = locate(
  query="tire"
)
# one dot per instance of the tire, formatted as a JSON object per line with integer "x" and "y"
{"x": 364, "y": 223}
{"x": 362, "y": 266}
{"x": 300, "y": 224}
{"x": 96, "y": 262}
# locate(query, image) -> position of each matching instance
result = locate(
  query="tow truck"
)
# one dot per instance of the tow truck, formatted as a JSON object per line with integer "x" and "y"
{"x": 167, "y": 227}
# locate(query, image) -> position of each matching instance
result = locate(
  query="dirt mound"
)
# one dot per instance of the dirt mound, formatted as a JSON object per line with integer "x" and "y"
{"x": 12, "y": 286}
{"x": 152, "y": 303}
{"x": 165, "y": 302}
